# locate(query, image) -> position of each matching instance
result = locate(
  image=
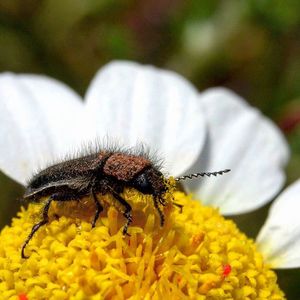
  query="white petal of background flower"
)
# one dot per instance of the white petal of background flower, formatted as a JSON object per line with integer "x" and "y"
{"x": 279, "y": 238}
{"x": 40, "y": 120}
{"x": 132, "y": 103}
{"x": 242, "y": 139}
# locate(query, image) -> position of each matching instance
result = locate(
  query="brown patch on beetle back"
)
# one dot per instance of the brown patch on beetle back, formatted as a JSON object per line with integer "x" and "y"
{"x": 124, "y": 167}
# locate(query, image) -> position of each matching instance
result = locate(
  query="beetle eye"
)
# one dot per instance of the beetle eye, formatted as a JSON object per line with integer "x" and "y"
{"x": 142, "y": 184}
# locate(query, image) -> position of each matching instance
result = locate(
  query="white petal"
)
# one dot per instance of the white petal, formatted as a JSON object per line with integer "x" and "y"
{"x": 39, "y": 121}
{"x": 133, "y": 103}
{"x": 279, "y": 238}
{"x": 240, "y": 138}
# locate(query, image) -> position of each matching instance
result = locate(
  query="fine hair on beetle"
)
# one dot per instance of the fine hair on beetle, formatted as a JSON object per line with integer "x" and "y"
{"x": 99, "y": 171}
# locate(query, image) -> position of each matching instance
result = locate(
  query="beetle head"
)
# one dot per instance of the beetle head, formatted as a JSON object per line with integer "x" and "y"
{"x": 150, "y": 182}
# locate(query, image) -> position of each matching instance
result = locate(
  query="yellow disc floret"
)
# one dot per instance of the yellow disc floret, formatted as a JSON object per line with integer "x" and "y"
{"x": 197, "y": 254}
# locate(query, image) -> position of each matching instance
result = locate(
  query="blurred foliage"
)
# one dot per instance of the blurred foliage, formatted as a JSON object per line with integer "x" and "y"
{"x": 249, "y": 46}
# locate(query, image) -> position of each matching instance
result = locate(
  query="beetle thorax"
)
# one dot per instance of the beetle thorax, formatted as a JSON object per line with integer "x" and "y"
{"x": 124, "y": 167}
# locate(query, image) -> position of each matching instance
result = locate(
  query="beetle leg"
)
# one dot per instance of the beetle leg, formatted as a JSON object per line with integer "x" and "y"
{"x": 62, "y": 196}
{"x": 127, "y": 213}
{"x": 180, "y": 206}
{"x": 162, "y": 201}
{"x": 161, "y": 214}
{"x": 99, "y": 208}
{"x": 37, "y": 226}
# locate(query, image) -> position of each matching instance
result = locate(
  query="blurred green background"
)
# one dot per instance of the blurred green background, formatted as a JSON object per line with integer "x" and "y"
{"x": 252, "y": 47}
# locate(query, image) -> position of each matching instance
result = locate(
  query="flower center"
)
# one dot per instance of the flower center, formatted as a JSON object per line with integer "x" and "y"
{"x": 197, "y": 254}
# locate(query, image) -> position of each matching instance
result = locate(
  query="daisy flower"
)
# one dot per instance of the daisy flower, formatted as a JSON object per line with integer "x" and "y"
{"x": 197, "y": 254}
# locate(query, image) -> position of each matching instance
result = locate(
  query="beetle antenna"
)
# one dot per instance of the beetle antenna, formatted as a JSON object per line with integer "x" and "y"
{"x": 190, "y": 176}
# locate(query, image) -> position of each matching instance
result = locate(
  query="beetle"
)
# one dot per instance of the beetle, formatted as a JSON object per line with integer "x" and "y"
{"x": 100, "y": 173}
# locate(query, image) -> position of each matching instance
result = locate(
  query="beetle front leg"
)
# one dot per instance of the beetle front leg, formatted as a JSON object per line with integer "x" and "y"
{"x": 161, "y": 214}
{"x": 180, "y": 206}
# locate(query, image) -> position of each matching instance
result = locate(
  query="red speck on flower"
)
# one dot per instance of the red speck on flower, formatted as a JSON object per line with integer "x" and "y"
{"x": 23, "y": 297}
{"x": 226, "y": 270}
